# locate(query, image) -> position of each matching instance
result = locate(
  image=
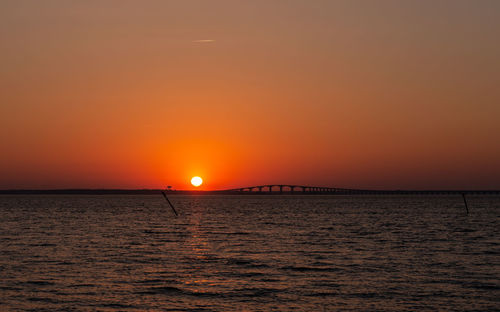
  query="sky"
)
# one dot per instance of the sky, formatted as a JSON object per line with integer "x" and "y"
{"x": 353, "y": 94}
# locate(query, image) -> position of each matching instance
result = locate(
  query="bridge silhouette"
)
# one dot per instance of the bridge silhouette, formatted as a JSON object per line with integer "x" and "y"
{"x": 282, "y": 188}
{"x": 306, "y": 189}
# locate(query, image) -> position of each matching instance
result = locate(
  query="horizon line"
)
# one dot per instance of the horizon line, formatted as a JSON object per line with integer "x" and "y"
{"x": 238, "y": 191}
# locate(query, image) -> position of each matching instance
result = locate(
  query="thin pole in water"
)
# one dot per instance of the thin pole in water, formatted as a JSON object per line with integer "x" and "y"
{"x": 465, "y": 202}
{"x": 165, "y": 195}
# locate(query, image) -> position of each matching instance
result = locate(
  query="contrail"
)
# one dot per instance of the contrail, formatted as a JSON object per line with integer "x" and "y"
{"x": 203, "y": 41}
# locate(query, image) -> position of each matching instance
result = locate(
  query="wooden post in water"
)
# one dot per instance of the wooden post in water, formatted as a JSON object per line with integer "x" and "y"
{"x": 465, "y": 202}
{"x": 165, "y": 195}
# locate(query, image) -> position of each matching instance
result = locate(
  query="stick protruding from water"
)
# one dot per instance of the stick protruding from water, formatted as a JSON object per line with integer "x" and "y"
{"x": 465, "y": 202}
{"x": 168, "y": 201}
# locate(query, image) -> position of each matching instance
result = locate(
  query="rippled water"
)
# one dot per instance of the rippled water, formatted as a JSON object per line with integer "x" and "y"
{"x": 249, "y": 253}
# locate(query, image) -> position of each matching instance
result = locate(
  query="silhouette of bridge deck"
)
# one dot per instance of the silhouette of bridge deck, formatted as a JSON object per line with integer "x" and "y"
{"x": 305, "y": 189}
{"x": 281, "y": 188}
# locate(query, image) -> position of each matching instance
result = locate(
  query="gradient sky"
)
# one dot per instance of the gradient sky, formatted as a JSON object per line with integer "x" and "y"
{"x": 143, "y": 94}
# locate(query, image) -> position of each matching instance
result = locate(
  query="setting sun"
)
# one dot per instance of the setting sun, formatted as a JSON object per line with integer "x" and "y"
{"x": 196, "y": 181}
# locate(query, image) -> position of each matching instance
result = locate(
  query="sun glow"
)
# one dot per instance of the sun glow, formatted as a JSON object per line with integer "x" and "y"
{"x": 196, "y": 181}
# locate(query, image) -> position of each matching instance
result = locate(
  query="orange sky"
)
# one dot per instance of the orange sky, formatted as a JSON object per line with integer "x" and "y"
{"x": 360, "y": 94}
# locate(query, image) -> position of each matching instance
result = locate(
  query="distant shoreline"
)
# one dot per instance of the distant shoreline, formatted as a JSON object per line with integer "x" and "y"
{"x": 225, "y": 192}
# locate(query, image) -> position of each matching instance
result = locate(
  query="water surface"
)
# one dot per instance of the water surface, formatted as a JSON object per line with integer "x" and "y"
{"x": 249, "y": 253}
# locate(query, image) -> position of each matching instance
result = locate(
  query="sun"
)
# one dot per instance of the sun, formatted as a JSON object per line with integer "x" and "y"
{"x": 196, "y": 181}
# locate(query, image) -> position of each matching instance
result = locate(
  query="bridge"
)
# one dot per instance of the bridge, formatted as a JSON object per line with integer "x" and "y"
{"x": 286, "y": 188}
{"x": 305, "y": 189}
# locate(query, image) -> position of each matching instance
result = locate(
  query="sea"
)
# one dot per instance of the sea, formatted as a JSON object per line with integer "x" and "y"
{"x": 249, "y": 253}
